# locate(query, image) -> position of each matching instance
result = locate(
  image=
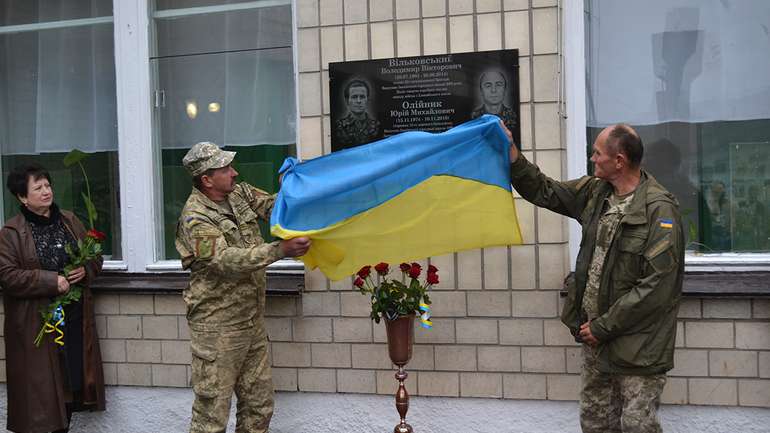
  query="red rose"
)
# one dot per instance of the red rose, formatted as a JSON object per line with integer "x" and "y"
{"x": 414, "y": 270}
{"x": 432, "y": 278}
{"x": 382, "y": 268}
{"x": 359, "y": 283}
{"x": 365, "y": 271}
{"x": 96, "y": 234}
{"x": 432, "y": 269}
{"x": 404, "y": 267}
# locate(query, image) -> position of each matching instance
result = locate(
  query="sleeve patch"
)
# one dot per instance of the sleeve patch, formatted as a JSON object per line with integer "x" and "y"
{"x": 583, "y": 182}
{"x": 666, "y": 223}
{"x": 192, "y": 221}
{"x": 205, "y": 247}
{"x": 659, "y": 247}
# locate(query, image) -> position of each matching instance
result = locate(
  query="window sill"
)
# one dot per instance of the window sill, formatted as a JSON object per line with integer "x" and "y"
{"x": 283, "y": 266}
{"x": 278, "y": 283}
{"x": 735, "y": 283}
{"x": 727, "y": 262}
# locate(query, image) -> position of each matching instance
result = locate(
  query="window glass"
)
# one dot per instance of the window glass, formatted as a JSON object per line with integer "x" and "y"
{"x": 57, "y": 93}
{"x": 233, "y": 85}
{"x": 17, "y": 12}
{"x": 687, "y": 74}
{"x": 250, "y": 29}
{"x": 180, "y": 4}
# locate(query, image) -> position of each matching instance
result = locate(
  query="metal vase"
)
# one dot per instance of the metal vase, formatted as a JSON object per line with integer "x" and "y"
{"x": 400, "y": 340}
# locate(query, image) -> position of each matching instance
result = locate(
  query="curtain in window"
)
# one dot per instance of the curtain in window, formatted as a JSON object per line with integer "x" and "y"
{"x": 57, "y": 86}
{"x": 677, "y": 60}
{"x": 226, "y": 77}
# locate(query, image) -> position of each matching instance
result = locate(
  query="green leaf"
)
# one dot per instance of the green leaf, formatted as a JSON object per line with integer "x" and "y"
{"x": 693, "y": 232}
{"x": 90, "y": 208}
{"x": 74, "y": 157}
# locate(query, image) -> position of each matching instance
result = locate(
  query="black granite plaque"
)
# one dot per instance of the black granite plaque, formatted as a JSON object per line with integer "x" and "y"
{"x": 374, "y": 99}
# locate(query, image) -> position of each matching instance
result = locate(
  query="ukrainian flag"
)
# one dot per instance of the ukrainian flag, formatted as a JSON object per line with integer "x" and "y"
{"x": 407, "y": 197}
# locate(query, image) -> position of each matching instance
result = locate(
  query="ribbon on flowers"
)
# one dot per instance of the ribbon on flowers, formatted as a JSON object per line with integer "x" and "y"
{"x": 58, "y": 320}
{"x": 425, "y": 316}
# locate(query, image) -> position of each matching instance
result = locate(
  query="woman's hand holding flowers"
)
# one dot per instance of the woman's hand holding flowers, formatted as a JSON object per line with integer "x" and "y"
{"x": 76, "y": 275}
{"x": 62, "y": 284}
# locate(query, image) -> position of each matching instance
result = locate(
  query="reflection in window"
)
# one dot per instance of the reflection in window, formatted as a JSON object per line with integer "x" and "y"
{"x": 232, "y": 84}
{"x": 687, "y": 76}
{"x": 57, "y": 93}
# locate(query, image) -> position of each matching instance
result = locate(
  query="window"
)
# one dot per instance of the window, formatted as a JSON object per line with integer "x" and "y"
{"x": 692, "y": 77}
{"x": 224, "y": 74}
{"x": 57, "y": 93}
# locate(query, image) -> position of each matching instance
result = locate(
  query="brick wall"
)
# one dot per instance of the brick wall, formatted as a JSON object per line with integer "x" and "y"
{"x": 722, "y": 356}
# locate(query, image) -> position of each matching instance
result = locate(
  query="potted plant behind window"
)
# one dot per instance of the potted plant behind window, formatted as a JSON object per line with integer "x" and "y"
{"x": 398, "y": 301}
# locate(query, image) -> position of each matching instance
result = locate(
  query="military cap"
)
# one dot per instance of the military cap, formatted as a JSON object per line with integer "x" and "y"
{"x": 204, "y": 156}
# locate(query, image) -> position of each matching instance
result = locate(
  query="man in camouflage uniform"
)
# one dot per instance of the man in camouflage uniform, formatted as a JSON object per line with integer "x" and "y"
{"x": 623, "y": 300}
{"x": 357, "y": 127}
{"x": 220, "y": 243}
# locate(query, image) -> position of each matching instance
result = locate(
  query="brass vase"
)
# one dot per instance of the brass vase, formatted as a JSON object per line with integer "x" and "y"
{"x": 400, "y": 340}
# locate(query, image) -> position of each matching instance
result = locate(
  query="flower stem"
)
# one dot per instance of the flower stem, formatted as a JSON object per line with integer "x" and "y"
{"x": 88, "y": 191}
{"x": 39, "y": 336}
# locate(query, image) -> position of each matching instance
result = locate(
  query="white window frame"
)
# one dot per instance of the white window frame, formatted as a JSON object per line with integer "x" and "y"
{"x": 138, "y": 162}
{"x": 47, "y": 25}
{"x": 574, "y": 77}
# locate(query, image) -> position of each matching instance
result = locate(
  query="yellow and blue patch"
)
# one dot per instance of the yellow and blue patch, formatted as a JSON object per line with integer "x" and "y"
{"x": 666, "y": 224}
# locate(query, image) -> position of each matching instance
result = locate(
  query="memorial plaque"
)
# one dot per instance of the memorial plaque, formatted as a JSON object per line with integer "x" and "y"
{"x": 374, "y": 99}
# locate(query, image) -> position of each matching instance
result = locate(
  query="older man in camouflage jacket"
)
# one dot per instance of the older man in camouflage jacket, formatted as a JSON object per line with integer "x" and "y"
{"x": 219, "y": 241}
{"x": 623, "y": 300}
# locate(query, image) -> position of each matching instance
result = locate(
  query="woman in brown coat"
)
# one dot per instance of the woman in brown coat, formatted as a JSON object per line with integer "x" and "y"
{"x": 47, "y": 383}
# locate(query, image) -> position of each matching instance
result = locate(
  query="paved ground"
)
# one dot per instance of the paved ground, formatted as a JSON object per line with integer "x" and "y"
{"x": 154, "y": 410}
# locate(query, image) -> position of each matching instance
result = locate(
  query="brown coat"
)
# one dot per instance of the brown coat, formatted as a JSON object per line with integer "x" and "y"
{"x": 34, "y": 375}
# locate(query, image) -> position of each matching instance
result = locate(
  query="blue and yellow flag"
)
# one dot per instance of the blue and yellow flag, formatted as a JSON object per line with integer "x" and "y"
{"x": 406, "y": 197}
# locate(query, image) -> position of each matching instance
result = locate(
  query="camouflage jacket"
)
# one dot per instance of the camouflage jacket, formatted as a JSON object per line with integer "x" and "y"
{"x": 506, "y": 114}
{"x": 641, "y": 281}
{"x": 351, "y": 132}
{"x": 226, "y": 256}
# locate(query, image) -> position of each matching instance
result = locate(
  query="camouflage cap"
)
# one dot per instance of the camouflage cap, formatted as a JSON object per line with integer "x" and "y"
{"x": 204, "y": 156}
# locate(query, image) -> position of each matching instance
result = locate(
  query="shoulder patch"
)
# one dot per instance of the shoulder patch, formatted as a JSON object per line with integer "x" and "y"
{"x": 659, "y": 247}
{"x": 205, "y": 247}
{"x": 666, "y": 223}
{"x": 192, "y": 221}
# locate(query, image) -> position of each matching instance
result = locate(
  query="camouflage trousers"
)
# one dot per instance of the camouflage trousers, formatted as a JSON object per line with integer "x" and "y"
{"x": 611, "y": 403}
{"x": 226, "y": 361}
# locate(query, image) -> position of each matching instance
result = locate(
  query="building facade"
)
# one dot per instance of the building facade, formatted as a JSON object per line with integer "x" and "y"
{"x": 137, "y": 82}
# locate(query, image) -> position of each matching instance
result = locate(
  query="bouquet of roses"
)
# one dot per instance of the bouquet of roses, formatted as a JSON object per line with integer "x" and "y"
{"x": 392, "y": 298}
{"x": 84, "y": 251}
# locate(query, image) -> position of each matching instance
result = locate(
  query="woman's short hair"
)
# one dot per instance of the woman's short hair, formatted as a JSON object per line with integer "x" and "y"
{"x": 19, "y": 177}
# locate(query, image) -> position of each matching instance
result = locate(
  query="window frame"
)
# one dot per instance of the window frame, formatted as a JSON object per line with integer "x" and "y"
{"x": 59, "y": 24}
{"x": 573, "y": 80}
{"x": 139, "y": 160}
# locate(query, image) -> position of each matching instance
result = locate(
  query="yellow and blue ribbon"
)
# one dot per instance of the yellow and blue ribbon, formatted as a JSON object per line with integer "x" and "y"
{"x": 58, "y": 320}
{"x": 425, "y": 316}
